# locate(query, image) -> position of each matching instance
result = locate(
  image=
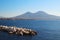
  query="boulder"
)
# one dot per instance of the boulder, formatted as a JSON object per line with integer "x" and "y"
{"x": 19, "y": 31}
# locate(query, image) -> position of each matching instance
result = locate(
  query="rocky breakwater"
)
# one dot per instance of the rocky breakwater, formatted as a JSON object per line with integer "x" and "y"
{"x": 18, "y": 31}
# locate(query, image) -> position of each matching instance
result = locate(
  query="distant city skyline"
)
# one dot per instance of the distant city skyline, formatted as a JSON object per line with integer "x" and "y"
{"x": 10, "y": 8}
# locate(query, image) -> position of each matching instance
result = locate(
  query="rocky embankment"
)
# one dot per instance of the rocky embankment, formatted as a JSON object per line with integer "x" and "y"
{"x": 16, "y": 30}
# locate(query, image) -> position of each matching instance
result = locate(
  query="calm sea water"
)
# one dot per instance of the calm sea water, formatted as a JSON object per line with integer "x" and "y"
{"x": 47, "y": 30}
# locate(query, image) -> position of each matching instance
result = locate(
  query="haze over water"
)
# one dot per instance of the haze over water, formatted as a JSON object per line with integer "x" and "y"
{"x": 46, "y": 29}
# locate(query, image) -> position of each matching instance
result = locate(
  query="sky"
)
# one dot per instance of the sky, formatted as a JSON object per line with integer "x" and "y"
{"x": 11, "y": 8}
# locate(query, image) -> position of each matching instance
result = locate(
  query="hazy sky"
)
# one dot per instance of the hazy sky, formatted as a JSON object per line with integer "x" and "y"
{"x": 10, "y": 8}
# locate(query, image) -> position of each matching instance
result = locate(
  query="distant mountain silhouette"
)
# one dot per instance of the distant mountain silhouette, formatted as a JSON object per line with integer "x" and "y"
{"x": 1, "y": 17}
{"x": 38, "y": 15}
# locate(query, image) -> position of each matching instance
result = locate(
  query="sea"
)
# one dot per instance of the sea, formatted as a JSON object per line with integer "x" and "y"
{"x": 46, "y": 29}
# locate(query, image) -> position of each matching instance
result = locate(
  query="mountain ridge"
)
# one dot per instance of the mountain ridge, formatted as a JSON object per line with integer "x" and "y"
{"x": 38, "y": 15}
